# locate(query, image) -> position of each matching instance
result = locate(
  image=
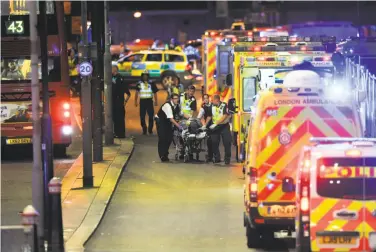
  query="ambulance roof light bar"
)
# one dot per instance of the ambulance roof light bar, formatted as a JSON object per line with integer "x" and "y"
{"x": 355, "y": 141}
{"x": 287, "y": 39}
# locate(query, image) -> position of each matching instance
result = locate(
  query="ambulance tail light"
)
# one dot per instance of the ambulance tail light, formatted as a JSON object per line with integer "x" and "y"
{"x": 249, "y": 33}
{"x": 253, "y": 185}
{"x": 264, "y": 39}
{"x": 327, "y": 58}
{"x": 256, "y": 49}
{"x": 234, "y": 40}
{"x": 353, "y": 153}
{"x": 304, "y": 204}
{"x": 303, "y": 48}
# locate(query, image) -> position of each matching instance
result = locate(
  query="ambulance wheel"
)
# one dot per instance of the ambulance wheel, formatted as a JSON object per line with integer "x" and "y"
{"x": 253, "y": 237}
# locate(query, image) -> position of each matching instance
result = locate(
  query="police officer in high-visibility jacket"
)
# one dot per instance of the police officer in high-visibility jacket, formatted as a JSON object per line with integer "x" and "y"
{"x": 220, "y": 129}
{"x": 188, "y": 103}
{"x": 73, "y": 72}
{"x": 146, "y": 90}
{"x": 175, "y": 88}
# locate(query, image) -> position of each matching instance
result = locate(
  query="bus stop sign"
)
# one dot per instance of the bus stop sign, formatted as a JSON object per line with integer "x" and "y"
{"x": 85, "y": 69}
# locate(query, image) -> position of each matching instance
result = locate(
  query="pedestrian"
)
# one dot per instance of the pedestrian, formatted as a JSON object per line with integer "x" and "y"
{"x": 167, "y": 118}
{"x": 176, "y": 87}
{"x": 146, "y": 90}
{"x": 220, "y": 129}
{"x": 205, "y": 117}
{"x": 188, "y": 103}
{"x": 119, "y": 102}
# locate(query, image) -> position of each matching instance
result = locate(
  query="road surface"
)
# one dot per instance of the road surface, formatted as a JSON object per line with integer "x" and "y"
{"x": 16, "y": 171}
{"x": 173, "y": 206}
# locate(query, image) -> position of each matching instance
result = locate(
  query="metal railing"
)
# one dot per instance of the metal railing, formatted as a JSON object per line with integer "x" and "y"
{"x": 364, "y": 84}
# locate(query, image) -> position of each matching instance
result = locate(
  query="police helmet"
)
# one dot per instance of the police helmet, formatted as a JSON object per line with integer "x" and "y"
{"x": 145, "y": 73}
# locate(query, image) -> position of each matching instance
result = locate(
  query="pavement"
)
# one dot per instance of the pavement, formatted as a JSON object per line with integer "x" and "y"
{"x": 83, "y": 208}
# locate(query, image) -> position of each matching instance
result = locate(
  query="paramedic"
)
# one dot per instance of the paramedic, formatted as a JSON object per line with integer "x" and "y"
{"x": 220, "y": 129}
{"x": 118, "y": 103}
{"x": 166, "y": 119}
{"x": 176, "y": 88}
{"x": 146, "y": 90}
{"x": 188, "y": 103}
{"x": 204, "y": 117}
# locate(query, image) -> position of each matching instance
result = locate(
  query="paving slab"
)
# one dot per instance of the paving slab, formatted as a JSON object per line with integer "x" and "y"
{"x": 83, "y": 208}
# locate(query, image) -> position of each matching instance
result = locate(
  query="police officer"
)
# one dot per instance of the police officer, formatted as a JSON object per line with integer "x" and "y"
{"x": 73, "y": 73}
{"x": 176, "y": 88}
{"x": 220, "y": 129}
{"x": 118, "y": 102}
{"x": 167, "y": 116}
{"x": 206, "y": 120}
{"x": 188, "y": 103}
{"x": 146, "y": 90}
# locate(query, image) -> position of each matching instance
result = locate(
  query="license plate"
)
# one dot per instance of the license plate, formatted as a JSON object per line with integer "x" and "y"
{"x": 18, "y": 141}
{"x": 282, "y": 211}
{"x": 333, "y": 240}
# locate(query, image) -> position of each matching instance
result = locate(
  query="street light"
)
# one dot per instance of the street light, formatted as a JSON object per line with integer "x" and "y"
{"x": 137, "y": 14}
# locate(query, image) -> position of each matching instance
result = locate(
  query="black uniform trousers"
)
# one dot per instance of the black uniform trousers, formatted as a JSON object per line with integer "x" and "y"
{"x": 147, "y": 106}
{"x": 223, "y": 131}
{"x": 165, "y": 135}
{"x": 118, "y": 117}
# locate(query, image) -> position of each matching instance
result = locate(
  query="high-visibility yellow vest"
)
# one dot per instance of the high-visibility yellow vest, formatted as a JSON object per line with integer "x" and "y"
{"x": 217, "y": 112}
{"x": 72, "y": 68}
{"x": 145, "y": 91}
{"x": 186, "y": 104}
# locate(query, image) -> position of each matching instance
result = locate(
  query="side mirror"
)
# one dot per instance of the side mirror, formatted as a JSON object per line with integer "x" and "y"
{"x": 232, "y": 108}
{"x": 229, "y": 80}
{"x": 288, "y": 185}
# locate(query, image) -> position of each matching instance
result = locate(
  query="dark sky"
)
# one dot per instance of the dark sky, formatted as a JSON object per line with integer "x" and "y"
{"x": 157, "y": 5}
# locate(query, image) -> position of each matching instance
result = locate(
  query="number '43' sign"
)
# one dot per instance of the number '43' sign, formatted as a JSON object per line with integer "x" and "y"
{"x": 15, "y": 27}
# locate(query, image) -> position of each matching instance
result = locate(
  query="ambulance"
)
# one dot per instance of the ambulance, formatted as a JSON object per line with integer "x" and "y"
{"x": 211, "y": 39}
{"x": 336, "y": 195}
{"x": 261, "y": 62}
{"x": 283, "y": 120}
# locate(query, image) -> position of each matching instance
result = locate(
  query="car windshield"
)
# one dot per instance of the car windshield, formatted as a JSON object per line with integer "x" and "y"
{"x": 347, "y": 178}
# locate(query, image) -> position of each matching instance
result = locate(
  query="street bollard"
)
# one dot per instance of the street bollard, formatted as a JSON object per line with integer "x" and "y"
{"x": 56, "y": 238}
{"x": 29, "y": 221}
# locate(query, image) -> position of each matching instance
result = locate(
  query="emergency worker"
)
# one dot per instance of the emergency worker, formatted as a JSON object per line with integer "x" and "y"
{"x": 174, "y": 46}
{"x": 118, "y": 102}
{"x": 188, "y": 103}
{"x": 176, "y": 88}
{"x": 220, "y": 129}
{"x": 167, "y": 117}
{"x": 206, "y": 120}
{"x": 73, "y": 72}
{"x": 145, "y": 91}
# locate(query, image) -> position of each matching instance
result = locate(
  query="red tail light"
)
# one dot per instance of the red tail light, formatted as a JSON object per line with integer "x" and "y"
{"x": 303, "y": 48}
{"x": 256, "y": 49}
{"x": 304, "y": 204}
{"x": 253, "y": 185}
{"x": 263, "y": 39}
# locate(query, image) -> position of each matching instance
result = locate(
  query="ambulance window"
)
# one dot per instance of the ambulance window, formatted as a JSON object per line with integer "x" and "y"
{"x": 223, "y": 63}
{"x": 249, "y": 93}
{"x": 347, "y": 178}
{"x": 156, "y": 57}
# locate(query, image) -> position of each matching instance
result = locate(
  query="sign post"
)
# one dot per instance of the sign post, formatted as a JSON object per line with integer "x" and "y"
{"x": 86, "y": 70}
